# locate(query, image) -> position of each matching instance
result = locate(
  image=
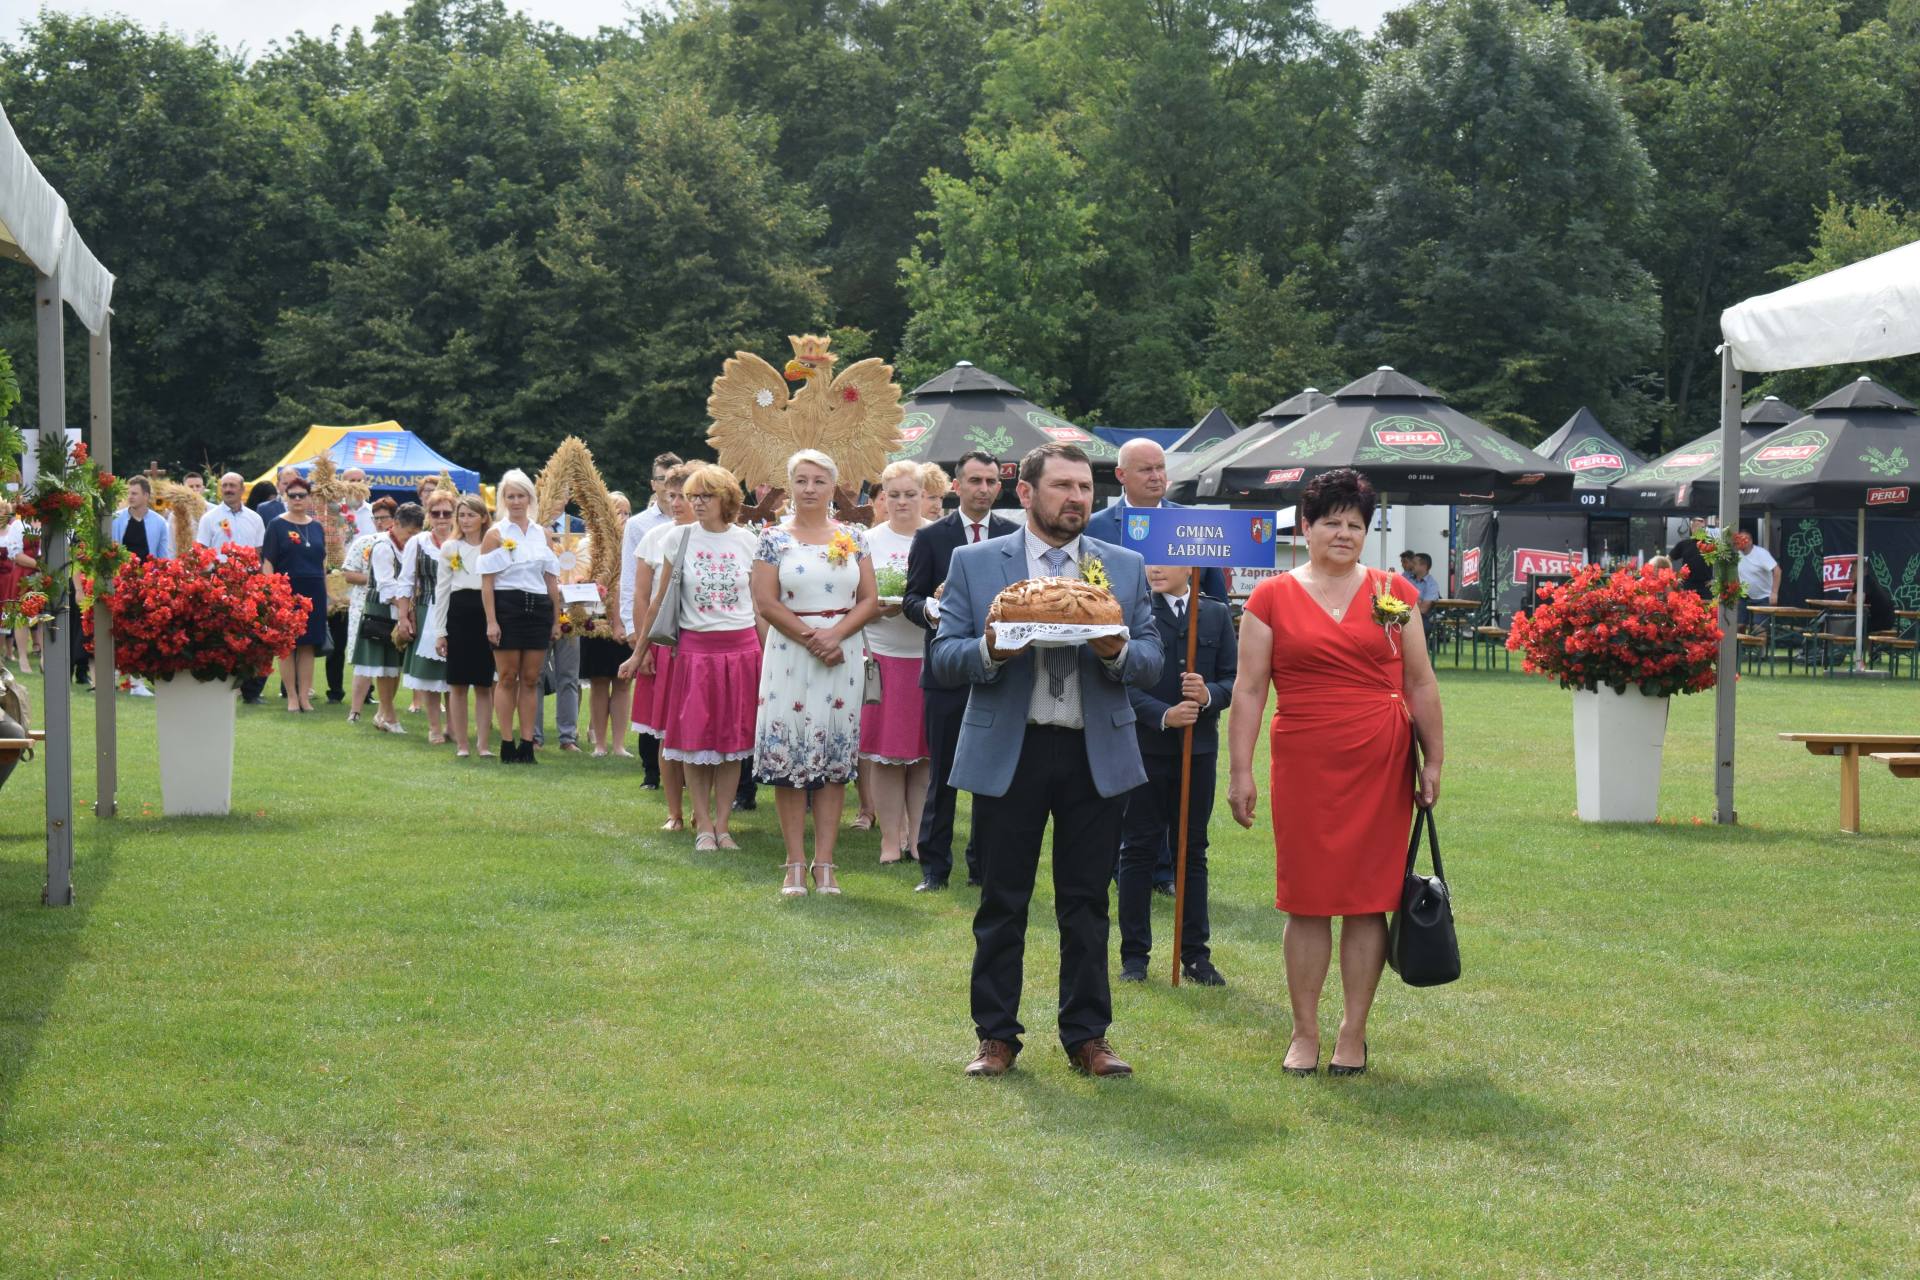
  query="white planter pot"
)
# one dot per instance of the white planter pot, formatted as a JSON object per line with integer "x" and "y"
{"x": 1617, "y": 741}
{"x": 195, "y": 720}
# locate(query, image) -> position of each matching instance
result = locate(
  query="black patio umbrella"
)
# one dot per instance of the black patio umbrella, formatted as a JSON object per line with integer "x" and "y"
{"x": 1770, "y": 411}
{"x": 1855, "y": 450}
{"x": 967, "y": 408}
{"x": 1213, "y": 427}
{"x": 1670, "y": 481}
{"x": 1413, "y": 445}
{"x": 1584, "y": 446}
{"x": 1183, "y": 473}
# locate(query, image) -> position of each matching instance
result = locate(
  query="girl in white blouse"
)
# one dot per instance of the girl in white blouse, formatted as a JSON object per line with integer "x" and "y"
{"x": 459, "y": 621}
{"x": 520, "y": 589}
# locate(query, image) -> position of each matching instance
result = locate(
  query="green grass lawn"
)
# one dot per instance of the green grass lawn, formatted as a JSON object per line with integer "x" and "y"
{"x": 399, "y": 1016}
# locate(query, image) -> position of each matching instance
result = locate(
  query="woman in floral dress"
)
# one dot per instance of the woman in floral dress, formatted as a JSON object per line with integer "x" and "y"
{"x": 813, "y": 587}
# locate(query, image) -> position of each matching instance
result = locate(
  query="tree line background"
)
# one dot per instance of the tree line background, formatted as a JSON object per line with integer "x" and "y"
{"x": 499, "y": 232}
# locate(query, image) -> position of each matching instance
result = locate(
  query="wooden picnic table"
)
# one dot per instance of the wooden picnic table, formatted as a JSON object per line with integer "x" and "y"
{"x": 1782, "y": 611}
{"x": 1910, "y": 614}
{"x": 1849, "y": 747}
{"x": 1905, "y": 764}
{"x": 10, "y": 748}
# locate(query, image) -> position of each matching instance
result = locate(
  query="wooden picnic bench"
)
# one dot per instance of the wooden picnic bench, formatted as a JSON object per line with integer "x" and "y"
{"x": 1905, "y": 764}
{"x": 1849, "y": 747}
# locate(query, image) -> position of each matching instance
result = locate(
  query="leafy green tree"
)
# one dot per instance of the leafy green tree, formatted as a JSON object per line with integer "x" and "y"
{"x": 1492, "y": 260}
{"x": 999, "y": 279}
{"x": 1748, "y": 141}
{"x": 1267, "y": 342}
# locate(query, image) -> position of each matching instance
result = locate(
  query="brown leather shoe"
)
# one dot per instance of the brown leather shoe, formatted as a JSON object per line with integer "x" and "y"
{"x": 1097, "y": 1058}
{"x": 994, "y": 1059}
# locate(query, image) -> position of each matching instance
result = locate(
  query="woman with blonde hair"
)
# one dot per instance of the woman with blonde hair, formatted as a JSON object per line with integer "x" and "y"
{"x": 813, "y": 585}
{"x": 520, "y": 591}
{"x": 715, "y": 675}
{"x": 935, "y": 484}
{"x": 459, "y": 623}
{"x": 424, "y": 669}
{"x": 893, "y": 732}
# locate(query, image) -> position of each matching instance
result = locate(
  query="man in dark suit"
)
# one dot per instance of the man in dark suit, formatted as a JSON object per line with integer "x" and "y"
{"x": 274, "y": 507}
{"x": 977, "y": 484}
{"x": 1142, "y": 472}
{"x": 1179, "y": 698}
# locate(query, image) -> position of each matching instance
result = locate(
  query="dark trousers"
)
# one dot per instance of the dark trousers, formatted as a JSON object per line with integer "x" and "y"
{"x": 337, "y": 656}
{"x": 1153, "y": 809}
{"x": 650, "y": 759}
{"x": 77, "y": 655}
{"x": 1052, "y": 780}
{"x": 945, "y": 707}
{"x": 746, "y": 791}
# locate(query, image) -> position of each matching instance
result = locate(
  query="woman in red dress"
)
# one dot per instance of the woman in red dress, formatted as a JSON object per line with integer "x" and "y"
{"x": 1352, "y": 694}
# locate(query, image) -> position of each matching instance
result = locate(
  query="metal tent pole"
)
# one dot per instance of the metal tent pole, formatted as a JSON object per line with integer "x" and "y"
{"x": 57, "y": 665}
{"x": 106, "y": 763}
{"x": 1729, "y": 664}
{"x": 1860, "y": 595}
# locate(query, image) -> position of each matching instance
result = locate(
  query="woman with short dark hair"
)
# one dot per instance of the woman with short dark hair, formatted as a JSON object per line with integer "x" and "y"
{"x": 1342, "y": 647}
{"x": 296, "y": 545}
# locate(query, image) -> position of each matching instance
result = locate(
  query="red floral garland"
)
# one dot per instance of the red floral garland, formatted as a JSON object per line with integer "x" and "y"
{"x": 214, "y": 617}
{"x": 1637, "y": 627}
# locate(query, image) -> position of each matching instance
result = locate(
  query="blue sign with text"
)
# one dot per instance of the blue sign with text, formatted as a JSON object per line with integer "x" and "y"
{"x": 1195, "y": 535}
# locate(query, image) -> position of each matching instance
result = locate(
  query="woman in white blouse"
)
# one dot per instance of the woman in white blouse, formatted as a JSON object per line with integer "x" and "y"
{"x": 520, "y": 590}
{"x": 651, "y": 665}
{"x": 459, "y": 624}
{"x": 422, "y": 669}
{"x": 893, "y": 731}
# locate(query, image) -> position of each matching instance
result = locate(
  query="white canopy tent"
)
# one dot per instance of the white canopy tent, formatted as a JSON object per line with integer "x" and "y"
{"x": 36, "y": 229}
{"x": 1868, "y": 310}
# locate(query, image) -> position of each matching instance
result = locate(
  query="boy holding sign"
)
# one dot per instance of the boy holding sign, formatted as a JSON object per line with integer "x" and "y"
{"x": 1179, "y": 699}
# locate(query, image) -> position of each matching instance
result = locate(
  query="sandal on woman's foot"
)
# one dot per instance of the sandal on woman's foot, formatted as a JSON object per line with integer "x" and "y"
{"x": 888, "y": 861}
{"x": 353, "y": 717}
{"x": 863, "y": 822}
{"x": 462, "y": 754}
{"x": 823, "y": 881}
{"x": 725, "y": 840}
{"x": 705, "y": 843}
{"x": 673, "y": 824}
{"x": 796, "y": 885}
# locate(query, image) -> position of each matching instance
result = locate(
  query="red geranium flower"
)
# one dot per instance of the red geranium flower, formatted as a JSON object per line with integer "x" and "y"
{"x": 1633, "y": 627}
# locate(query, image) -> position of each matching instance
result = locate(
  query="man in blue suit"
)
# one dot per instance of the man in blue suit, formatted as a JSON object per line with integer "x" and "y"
{"x": 1178, "y": 699}
{"x": 1142, "y": 472}
{"x": 1046, "y": 735}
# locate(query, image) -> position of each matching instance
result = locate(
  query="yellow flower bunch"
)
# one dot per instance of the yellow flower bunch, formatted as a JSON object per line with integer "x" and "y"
{"x": 509, "y": 544}
{"x": 1094, "y": 573}
{"x": 1390, "y": 610}
{"x": 841, "y": 547}
{"x": 455, "y": 563}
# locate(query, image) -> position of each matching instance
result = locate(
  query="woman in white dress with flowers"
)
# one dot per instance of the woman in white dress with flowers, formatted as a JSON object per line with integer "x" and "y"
{"x": 813, "y": 587}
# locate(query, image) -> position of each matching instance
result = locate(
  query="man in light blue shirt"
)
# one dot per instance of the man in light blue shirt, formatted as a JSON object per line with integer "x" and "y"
{"x": 1422, "y": 579}
{"x": 152, "y": 535}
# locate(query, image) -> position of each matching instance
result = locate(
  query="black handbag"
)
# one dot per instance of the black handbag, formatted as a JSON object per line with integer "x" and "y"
{"x": 376, "y": 628}
{"x": 1421, "y": 945}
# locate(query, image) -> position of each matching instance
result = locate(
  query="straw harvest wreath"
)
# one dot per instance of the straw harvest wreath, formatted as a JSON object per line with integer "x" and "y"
{"x": 853, "y": 419}
{"x": 331, "y": 494}
{"x": 184, "y": 508}
{"x": 570, "y": 476}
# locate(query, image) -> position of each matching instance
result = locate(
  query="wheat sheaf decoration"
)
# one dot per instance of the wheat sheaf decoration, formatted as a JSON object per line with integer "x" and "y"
{"x": 756, "y": 424}
{"x": 570, "y": 476}
{"x": 330, "y": 493}
{"x": 184, "y": 508}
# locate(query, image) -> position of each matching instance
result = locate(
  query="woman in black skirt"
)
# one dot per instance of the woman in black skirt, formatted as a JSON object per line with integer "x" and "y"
{"x": 461, "y": 620}
{"x": 520, "y": 588}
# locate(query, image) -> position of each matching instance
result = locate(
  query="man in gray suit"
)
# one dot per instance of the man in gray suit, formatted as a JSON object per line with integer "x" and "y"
{"x": 1045, "y": 735}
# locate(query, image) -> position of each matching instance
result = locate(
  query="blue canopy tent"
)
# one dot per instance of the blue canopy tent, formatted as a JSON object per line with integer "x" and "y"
{"x": 397, "y": 460}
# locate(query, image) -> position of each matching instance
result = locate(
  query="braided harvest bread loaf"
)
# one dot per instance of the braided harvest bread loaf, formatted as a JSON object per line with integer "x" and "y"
{"x": 1064, "y": 600}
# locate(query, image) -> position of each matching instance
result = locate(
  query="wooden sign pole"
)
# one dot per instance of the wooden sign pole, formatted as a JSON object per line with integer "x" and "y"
{"x": 1186, "y": 778}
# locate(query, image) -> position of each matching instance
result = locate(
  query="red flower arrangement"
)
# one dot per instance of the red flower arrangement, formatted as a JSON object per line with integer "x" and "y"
{"x": 71, "y": 499}
{"x": 1634, "y": 627}
{"x": 214, "y": 617}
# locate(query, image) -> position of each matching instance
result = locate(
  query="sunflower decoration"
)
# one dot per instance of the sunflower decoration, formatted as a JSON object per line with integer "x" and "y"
{"x": 1389, "y": 610}
{"x": 1094, "y": 573}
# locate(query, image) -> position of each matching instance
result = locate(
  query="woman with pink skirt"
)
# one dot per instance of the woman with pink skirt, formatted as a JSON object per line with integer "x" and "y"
{"x": 651, "y": 664}
{"x": 712, "y": 685}
{"x": 893, "y": 732}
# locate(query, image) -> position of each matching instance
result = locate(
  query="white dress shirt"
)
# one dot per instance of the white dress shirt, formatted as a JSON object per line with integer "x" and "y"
{"x": 1044, "y": 709}
{"x": 637, "y": 528}
{"x": 222, "y": 524}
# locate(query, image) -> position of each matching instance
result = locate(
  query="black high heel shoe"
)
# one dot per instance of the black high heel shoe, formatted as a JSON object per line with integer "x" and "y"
{"x": 1337, "y": 1069}
{"x": 1302, "y": 1072}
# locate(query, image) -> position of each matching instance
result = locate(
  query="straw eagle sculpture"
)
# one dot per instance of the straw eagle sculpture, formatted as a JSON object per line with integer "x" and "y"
{"x": 853, "y": 418}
